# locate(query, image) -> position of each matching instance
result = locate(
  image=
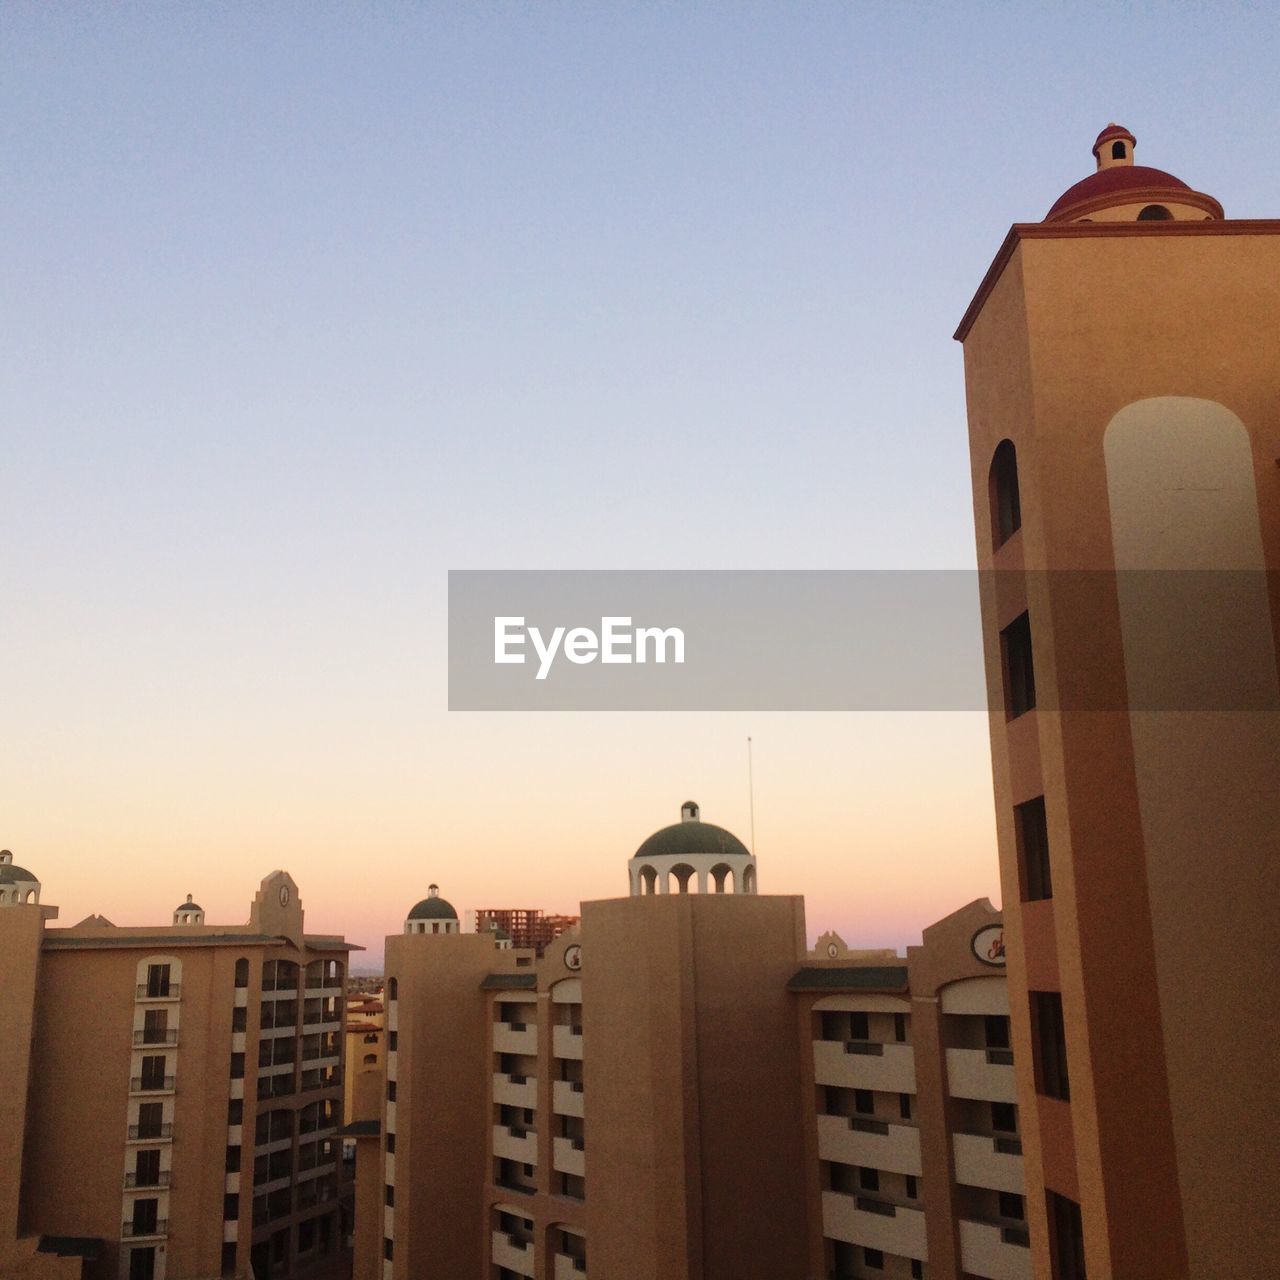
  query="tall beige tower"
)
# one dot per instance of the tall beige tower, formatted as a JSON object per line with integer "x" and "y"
{"x": 1122, "y": 362}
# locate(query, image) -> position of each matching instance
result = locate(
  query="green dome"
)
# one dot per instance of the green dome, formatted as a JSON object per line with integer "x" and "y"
{"x": 12, "y": 874}
{"x": 433, "y": 907}
{"x": 692, "y": 838}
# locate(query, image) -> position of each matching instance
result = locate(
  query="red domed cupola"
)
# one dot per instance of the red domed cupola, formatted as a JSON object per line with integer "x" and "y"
{"x": 1121, "y": 191}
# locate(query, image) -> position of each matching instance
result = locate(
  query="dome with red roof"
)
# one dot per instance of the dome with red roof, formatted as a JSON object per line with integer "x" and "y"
{"x": 1121, "y": 191}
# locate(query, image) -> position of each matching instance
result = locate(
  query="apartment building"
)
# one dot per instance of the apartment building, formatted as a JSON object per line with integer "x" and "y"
{"x": 173, "y": 1094}
{"x": 526, "y": 927}
{"x": 1121, "y": 366}
{"x": 679, "y": 1089}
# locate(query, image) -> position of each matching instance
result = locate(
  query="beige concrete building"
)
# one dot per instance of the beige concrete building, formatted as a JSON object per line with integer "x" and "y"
{"x": 678, "y": 1089}
{"x": 1122, "y": 366}
{"x": 173, "y": 1094}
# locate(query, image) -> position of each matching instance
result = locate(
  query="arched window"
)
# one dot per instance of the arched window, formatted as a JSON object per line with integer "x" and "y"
{"x": 1155, "y": 213}
{"x": 1006, "y": 503}
{"x": 1117, "y": 150}
{"x": 370, "y": 1059}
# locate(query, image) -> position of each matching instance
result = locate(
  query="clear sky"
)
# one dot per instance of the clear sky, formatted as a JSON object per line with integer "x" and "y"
{"x": 304, "y": 305}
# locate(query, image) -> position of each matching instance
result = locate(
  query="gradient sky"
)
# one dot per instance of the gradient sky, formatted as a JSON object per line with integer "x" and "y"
{"x": 305, "y": 305}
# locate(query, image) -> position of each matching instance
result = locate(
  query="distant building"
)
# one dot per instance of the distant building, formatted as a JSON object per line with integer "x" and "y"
{"x": 172, "y": 1094}
{"x": 527, "y": 928}
{"x": 1121, "y": 366}
{"x": 678, "y": 1089}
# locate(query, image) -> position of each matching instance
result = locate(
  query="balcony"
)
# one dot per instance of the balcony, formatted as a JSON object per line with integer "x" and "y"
{"x": 514, "y": 1251}
{"x": 566, "y": 1042}
{"x": 567, "y": 1156}
{"x": 164, "y": 991}
{"x": 143, "y": 1230}
{"x": 150, "y": 1132}
{"x": 151, "y": 1084}
{"x": 514, "y": 1142}
{"x": 994, "y": 1252}
{"x": 986, "y": 1074}
{"x": 566, "y": 1098}
{"x": 874, "y": 1224}
{"x": 515, "y": 1037}
{"x": 981, "y": 1162}
{"x": 877, "y": 1144}
{"x": 148, "y": 1180}
{"x": 155, "y": 1035}
{"x": 515, "y": 1091}
{"x": 860, "y": 1064}
{"x": 569, "y": 1268}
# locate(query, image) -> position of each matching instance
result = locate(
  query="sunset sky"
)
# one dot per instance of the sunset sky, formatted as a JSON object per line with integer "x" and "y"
{"x": 305, "y": 305}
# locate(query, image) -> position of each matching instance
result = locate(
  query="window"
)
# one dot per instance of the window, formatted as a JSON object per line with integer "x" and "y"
{"x": 230, "y": 1208}
{"x": 157, "y": 980}
{"x": 1117, "y": 150}
{"x": 904, "y": 1105}
{"x": 900, "y": 1027}
{"x": 155, "y": 1027}
{"x": 917, "y": 1269}
{"x": 1066, "y": 1238}
{"x": 391, "y": 1090}
{"x": 873, "y": 1258}
{"x": 240, "y": 1018}
{"x": 146, "y": 1217}
{"x": 996, "y": 1029}
{"x": 1019, "y": 670}
{"x": 229, "y": 1258}
{"x": 1048, "y": 1035}
{"x": 1006, "y": 503}
{"x": 859, "y": 1029}
{"x": 370, "y": 1059}
{"x": 142, "y": 1263}
{"x": 1155, "y": 213}
{"x": 389, "y": 1195}
{"x": 393, "y": 1039}
{"x": 237, "y": 1064}
{"x": 153, "y": 1072}
{"x": 1004, "y": 1117}
{"x": 864, "y": 1102}
{"x": 150, "y": 1120}
{"x": 1031, "y": 831}
{"x": 235, "y": 1111}
{"x": 391, "y": 1143}
{"x": 233, "y": 1159}
{"x": 912, "y": 1188}
{"x": 1012, "y": 1206}
{"x": 146, "y": 1168}
{"x": 869, "y": 1179}
{"x": 393, "y": 989}
{"x": 242, "y": 973}
{"x": 388, "y": 1249}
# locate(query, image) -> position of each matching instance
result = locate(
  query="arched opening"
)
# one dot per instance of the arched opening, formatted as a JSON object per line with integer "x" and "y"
{"x": 648, "y": 880}
{"x": 31, "y": 895}
{"x": 1117, "y": 150}
{"x": 1155, "y": 213}
{"x": 1006, "y": 502}
{"x": 749, "y": 880}
{"x": 722, "y": 875}
{"x": 370, "y": 1059}
{"x": 681, "y": 873}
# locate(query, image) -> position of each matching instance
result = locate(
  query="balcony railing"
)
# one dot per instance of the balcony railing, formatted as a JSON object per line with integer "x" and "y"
{"x": 134, "y": 1181}
{"x": 132, "y": 1230}
{"x": 167, "y": 991}
{"x": 156, "y": 1035}
{"x": 151, "y": 1084}
{"x": 150, "y": 1132}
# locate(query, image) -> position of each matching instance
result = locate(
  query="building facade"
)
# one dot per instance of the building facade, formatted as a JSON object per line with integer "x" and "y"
{"x": 173, "y": 1095}
{"x": 1121, "y": 366}
{"x": 528, "y": 928}
{"x": 679, "y": 1089}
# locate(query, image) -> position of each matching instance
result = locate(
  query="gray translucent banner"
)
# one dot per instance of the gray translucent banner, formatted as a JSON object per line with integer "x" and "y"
{"x": 568, "y": 640}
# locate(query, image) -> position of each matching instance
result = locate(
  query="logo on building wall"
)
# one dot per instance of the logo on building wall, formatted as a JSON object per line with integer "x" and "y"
{"x": 573, "y": 957}
{"x": 988, "y": 944}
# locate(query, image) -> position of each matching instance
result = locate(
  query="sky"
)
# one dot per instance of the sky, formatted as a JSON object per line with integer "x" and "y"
{"x": 302, "y": 306}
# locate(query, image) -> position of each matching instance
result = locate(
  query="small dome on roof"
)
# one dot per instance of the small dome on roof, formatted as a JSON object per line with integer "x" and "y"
{"x": 11, "y": 873}
{"x": 433, "y": 907}
{"x": 188, "y": 906}
{"x": 690, "y": 837}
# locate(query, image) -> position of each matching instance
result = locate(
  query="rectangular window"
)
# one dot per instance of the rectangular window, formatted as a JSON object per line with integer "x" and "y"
{"x": 391, "y": 1143}
{"x": 153, "y": 1072}
{"x": 393, "y": 1040}
{"x": 869, "y": 1179}
{"x": 157, "y": 980}
{"x": 229, "y": 1258}
{"x": 389, "y": 1196}
{"x": 912, "y": 1188}
{"x": 230, "y": 1208}
{"x": 146, "y": 1168}
{"x": 233, "y": 1159}
{"x": 873, "y": 1259}
{"x": 1004, "y": 1117}
{"x": 917, "y": 1269}
{"x": 391, "y": 1090}
{"x": 904, "y": 1105}
{"x": 1032, "y": 834}
{"x": 864, "y": 1102}
{"x": 237, "y": 1064}
{"x": 146, "y": 1217}
{"x": 1048, "y": 1034}
{"x": 388, "y": 1249}
{"x": 1011, "y": 1206}
{"x": 155, "y": 1026}
{"x": 142, "y": 1263}
{"x": 235, "y": 1111}
{"x": 1019, "y": 669}
{"x": 150, "y": 1116}
{"x": 858, "y": 1027}
{"x": 900, "y": 1027}
{"x": 240, "y": 1018}
{"x": 1066, "y": 1237}
{"x": 996, "y": 1028}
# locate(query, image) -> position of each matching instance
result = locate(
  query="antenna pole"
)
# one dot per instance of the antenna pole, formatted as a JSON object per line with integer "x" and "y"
{"x": 751, "y": 793}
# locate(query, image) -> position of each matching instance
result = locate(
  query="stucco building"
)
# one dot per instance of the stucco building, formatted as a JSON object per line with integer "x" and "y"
{"x": 172, "y": 1094}
{"x": 679, "y": 1089}
{"x": 1122, "y": 365}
